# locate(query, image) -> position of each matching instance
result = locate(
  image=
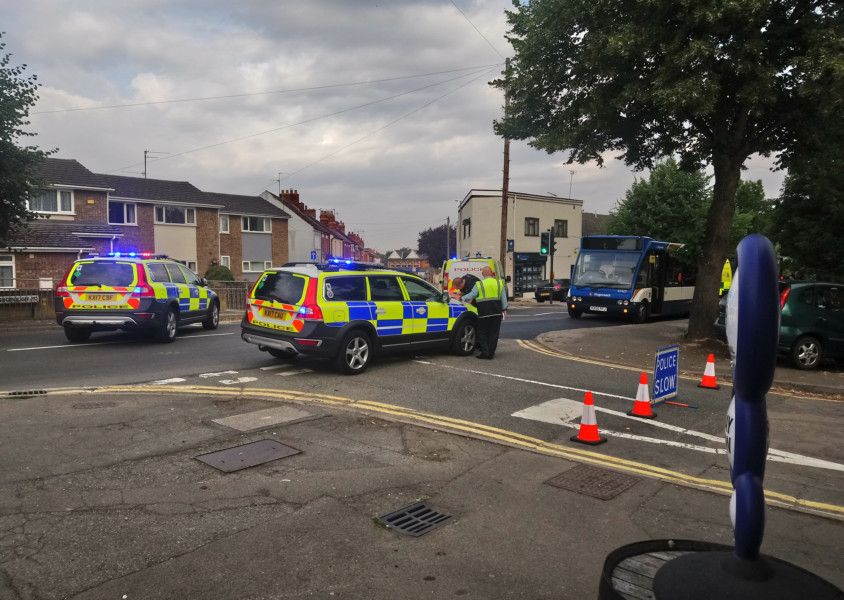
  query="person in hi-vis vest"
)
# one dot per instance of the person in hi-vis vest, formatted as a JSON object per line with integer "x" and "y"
{"x": 490, "y": 296}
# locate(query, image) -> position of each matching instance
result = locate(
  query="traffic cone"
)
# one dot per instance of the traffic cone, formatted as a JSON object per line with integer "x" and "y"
{"x": 588, "y": 433}
{"x": 642, "y": 405}
{"x": 708, "y": 380}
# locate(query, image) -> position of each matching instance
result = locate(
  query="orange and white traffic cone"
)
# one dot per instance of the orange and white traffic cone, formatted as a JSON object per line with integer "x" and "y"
{"x": 708, "y": 380}
{"x": 642, "y": 405}
{"x": 588, "y": 433}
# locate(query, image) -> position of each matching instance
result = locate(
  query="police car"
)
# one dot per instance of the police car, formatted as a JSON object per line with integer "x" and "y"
{"x": 349, "y": 311}
{"x": 133, "y": 291}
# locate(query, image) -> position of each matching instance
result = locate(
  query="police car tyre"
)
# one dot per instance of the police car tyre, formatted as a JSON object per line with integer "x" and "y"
{"x": 77, "y": 334}
{"x": 807, "y": 353}
{"x": 213, "y": 319}
{"x": 169, "y": 324}
{"x": 355, "y": 352}
{"x": 465, "y": 338}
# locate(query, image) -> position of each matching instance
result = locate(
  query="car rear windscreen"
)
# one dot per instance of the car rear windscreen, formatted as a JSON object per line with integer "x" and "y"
{"x": 281, "y": 287}
{"x": 111, "y": 274}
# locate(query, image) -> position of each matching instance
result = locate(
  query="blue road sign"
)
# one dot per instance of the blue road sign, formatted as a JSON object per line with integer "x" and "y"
{"x": 666, "y": 373}
{"x": 313, "y": 255}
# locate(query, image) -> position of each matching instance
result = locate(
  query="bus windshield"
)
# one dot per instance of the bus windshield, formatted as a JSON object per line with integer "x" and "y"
{"x": 605, "y": 269}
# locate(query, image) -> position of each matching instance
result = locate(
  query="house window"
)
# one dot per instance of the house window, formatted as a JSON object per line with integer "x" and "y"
{"x": 561, "y": 228}
{"x": 224, "y": 224}
{"x": 268, "y": 264}
{"x": 256, "y": 266}
{"x": 226, "y": 261}
{"x": 175, "y": 215}
{"x": 122, "y": 213}
{"x": 7, "y": 271}
{"x": 531, "y": 226}
{"x": 52, "y": 201}
{"x": 467, "y": 228}
{"x": 256, "y": 224}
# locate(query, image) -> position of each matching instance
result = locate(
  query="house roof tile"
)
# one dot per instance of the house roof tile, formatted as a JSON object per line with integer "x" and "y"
{"x": 70, "y": 172}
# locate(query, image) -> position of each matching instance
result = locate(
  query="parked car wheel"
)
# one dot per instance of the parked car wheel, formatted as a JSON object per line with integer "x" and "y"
{"x": 355, "y": 353}
{"x": 212, "y": 321}
{"x": 76, "y": 335}
{"x": 465, "y": 339}
{"x": 807, "y": 352}
{"x": 169, "y": 324}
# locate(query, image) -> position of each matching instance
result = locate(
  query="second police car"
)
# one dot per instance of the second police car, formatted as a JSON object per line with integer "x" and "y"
{"x": 348, "y": 312}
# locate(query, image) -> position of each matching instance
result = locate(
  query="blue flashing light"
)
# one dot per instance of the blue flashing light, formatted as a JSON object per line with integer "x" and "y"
{"x": 348, "y": 262}
{"x": 114, "y": 254}
{"x": 138, "y": 290}
{"x": 132, "y": 254}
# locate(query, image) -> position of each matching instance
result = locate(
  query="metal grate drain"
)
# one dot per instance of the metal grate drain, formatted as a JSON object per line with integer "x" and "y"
{"x": 247, "y": 455}
{"x": 593, "y": 481}
{"x": 416, "y": 519}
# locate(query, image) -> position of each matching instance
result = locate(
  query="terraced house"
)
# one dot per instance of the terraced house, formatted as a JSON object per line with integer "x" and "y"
{"x": 80, "y": 212}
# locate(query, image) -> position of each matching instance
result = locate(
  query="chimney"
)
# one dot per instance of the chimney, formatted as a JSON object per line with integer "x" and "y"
{"x": 342, "y": 227}
{"x": 311, "y": 212}
{"x": 326, "y": 217}
{"x": 290, "y": 197}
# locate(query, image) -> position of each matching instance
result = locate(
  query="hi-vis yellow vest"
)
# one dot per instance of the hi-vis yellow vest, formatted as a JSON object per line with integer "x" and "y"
{"x": 489, "y": 297}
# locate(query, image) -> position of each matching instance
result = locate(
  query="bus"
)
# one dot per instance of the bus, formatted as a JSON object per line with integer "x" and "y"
{"x": 629, "y": 277}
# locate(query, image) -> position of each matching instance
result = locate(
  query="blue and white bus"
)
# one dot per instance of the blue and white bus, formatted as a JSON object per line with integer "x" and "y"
{"x": 627, "y": 276}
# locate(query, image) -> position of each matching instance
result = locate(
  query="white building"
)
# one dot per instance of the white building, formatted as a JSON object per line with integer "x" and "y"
{"x": 307, "y": 238}
{"x": 528, "y": 215}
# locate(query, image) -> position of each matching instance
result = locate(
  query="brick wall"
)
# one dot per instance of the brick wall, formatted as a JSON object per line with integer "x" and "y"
{"x": 231, "y": 245}
{"x": 30, "y": 266}
{"x": 279, "y": 242}
{"x": 90, "y": 207}
{"x": 140, "y": 238}
{"x": 208, "y": 241}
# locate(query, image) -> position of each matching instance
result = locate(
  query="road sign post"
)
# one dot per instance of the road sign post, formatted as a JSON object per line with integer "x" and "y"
{"x": 666, "y": 374}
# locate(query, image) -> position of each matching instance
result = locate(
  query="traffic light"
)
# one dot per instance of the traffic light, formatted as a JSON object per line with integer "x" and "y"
{"x": 552, "y": 242}
{"x": 544, "y": 243}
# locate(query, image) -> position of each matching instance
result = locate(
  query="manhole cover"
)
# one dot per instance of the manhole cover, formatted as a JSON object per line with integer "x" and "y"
{"x": 593, "y": 481}
{"x": 416, "y": 519}
{"x": 247, "y": 455}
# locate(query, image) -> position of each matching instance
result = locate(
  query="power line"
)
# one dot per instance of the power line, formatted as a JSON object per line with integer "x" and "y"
{"x": 309, "y": 120}
{"x": 249, "y": 94}
{"x": 382, "y": 128}
{"x": 494, "y": 49}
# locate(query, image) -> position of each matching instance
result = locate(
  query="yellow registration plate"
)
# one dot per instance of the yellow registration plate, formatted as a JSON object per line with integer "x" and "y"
{"x": 271, "y": 313}
{"x": 99, "y": 297}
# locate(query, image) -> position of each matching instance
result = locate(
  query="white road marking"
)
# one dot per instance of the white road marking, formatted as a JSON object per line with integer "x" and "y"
{"x": 275, "y": 367}
{"x": 556, "y": 312}
{"x": 220, "y": 374}
{"x": 166, "y": 381}
{"x": 562, "y": 411}
{"x": 300, "y": 372}
{"x": 190, "y": 337}
{"x": 238, "y": 380}
{"x": 204, "y": 335}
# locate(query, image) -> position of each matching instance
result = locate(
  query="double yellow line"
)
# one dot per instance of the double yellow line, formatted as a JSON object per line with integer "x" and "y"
{"x": 480, "y": 431}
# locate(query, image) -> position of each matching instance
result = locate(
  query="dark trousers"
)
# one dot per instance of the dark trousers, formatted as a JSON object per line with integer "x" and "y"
{"x": 488, "y": 329}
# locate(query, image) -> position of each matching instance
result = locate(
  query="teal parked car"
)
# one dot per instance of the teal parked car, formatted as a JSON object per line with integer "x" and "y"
{"x": 812, "y": 323}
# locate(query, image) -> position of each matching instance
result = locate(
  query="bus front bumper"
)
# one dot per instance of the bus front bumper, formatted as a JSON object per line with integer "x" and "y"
{"x": 601, "y": 306}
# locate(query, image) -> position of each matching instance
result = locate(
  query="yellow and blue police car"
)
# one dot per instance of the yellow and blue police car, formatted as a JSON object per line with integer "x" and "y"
{"x": 349, "y": 311}
{"x": 133, "y": 291}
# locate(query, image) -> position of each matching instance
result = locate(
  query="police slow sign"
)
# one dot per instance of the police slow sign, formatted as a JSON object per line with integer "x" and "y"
{"x": 666, "y": 373}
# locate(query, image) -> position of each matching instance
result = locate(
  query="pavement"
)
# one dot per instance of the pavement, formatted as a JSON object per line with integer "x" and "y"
{"x": 101, "y": 497}
{"x": 635, "y": 346}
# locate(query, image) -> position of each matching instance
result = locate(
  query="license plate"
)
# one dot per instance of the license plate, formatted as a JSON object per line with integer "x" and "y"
{"x": 598, "y": 308}
{"x": 99, "y": 297}
{"x": 271, "y": 313}
{"x": 543, "y": 294}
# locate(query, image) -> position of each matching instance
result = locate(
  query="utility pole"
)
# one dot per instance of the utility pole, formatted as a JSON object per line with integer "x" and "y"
{"x": 447, "y": 238}
{"x": 571, "y": 178}
{"x": 505, "y": 184}
{"x": 146, "y": 152}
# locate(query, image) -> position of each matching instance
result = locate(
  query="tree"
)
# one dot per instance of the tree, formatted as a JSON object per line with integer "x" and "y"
{"x": 432, "y": 243}
{"x": 219, "y": 273}
{"x": 710, "y": 81}
{"x": 18, "y": 93}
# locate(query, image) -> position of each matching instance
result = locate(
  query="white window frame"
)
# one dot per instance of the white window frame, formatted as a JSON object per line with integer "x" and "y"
{"x": 58, "y": 210}
{"x": 188, "y": 210}
{"x": 125, "y": 221}
{"x": 227, "y": 220}
{"x": 267, "y": 222}
{"x": 226, "y": 261}
{"x": 247, "y": 264}
{"x": 11, "y": 262}
{"x": 268, "y": 264}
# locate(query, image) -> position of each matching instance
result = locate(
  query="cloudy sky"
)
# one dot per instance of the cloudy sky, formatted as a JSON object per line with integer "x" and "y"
{"x": 392, "y": 153}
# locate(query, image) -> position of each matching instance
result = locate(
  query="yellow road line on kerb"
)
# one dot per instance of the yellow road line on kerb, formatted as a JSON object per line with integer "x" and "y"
{"x": 540, "y": 349}
{"x": 483, "y": 432}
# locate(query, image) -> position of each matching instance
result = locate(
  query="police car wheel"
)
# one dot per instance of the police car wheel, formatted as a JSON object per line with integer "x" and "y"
{"x": 355, "y": 353}
{"x": 169, "y": 324}
{"x": 75, "y": 334}
{"x": 213, "y": 318}
{"x": 465, "y": 339}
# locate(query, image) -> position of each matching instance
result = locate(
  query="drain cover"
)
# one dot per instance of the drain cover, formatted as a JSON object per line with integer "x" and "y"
{"x": 247, "y": 455}
{"x": 416, "y": 519}
{"x": 593, "y": 481}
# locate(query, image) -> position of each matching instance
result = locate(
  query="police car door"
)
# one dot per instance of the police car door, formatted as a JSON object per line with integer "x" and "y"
{"x": 177, "y": 279}
{"x": 387, "y": 296}
{"x": 430, "y": 313}
{"x": 198, "y": 304}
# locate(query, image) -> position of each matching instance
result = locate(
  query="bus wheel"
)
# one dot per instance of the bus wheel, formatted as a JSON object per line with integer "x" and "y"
{"x": 574, "y": 313}
{"x": 642, "y": 313}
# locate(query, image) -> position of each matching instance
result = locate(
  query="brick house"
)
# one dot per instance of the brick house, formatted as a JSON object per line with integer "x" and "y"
{"x": 308, "y": 239}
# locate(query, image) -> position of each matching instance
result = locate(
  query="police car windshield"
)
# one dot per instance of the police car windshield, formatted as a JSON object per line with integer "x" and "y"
{"x": 596, "y": 268}
{"x": 281, "y": 287}
{"x": 112, "y": 274}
